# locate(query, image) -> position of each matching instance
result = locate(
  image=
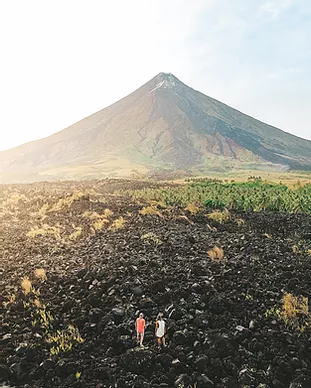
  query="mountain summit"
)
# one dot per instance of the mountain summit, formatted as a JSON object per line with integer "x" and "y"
{"x": 164, "y": 124}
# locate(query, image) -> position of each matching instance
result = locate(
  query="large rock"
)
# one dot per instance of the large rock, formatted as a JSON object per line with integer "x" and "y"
{"x": 204, "y": 382}
{"x": 117, "y": 314}
{"x": 139, "y": 361}
{"x": 201, "y": 363}
{"x": 183, "y": 381}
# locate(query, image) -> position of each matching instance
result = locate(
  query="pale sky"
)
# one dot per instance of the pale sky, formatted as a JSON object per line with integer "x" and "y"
{"x": 62, "y": 60}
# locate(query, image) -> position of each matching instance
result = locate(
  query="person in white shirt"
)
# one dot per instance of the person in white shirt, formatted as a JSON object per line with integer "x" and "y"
{"x": 160, "y": 330}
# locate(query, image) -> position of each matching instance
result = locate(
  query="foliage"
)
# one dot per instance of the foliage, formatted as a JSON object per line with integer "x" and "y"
{"x": 250, "y": 196}
{"x": 42, "y": 318}
{"x": 62, "y": 340}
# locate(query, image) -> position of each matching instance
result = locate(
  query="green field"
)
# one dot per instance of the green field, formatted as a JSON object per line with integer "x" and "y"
{"x": 254, "y": 196}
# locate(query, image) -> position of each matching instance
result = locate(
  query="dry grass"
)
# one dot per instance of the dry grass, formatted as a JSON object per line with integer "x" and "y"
{"x": 267, "y": 235}
{"x": 294, "y": 305}
{"x": 91, "y": 215}
{"x": 37, "y": 303}
{"x": 63, "y": 340}
{"x": 240, "y": 222}
{"x": 96, "y": 216}
{"x": 158, "y": 203}
{"x": 26, "y": 286}
{"x": 295, "y": 248}
{"x": 150, "y": 210}
{"x": 76, "y": 234}
{"x": 192, "y": 208}
{"x": 99, "y": 224}
{"x": 108, "y": 213}
{"x": 295, "y": 312}
{"x": 212, "y": 228}
{"x": 216, "y": 253}
{"x": 185, "y": 218}
{"x": 45, "y": 230}
{"x": 309, "y": 252}
{"x": 40, "y": 274}
{"x": 10, "y": 300}
{"x": 151, "y": 237}
{"x": 41, "y": 213}
{"x": 220, "y": 216}
{"x": 67, "y": 201}
{"x": 117, "y": 224}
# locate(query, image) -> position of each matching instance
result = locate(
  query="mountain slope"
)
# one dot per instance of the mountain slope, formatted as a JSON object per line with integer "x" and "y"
{"x": 163, "y": 124}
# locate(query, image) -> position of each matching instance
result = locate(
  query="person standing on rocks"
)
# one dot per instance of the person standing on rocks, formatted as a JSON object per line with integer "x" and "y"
{"x": 160, "y": 330}
{"x": 140, "y": 328}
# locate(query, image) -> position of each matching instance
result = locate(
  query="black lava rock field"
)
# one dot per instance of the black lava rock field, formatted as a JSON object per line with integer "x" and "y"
{"x": 76, "y": 271}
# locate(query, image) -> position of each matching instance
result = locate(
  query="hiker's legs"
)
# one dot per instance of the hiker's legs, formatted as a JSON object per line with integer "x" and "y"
{"x": 163, "y": 341}
{"x": 141, "y": 338}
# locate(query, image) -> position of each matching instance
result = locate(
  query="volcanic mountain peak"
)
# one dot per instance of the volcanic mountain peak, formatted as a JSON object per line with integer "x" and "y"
{"x": 164, "y": 124}
{"x": 165, "y": 81}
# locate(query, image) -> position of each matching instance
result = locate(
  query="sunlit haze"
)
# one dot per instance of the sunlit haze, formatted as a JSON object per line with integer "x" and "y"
{"x": 64, "y": 60}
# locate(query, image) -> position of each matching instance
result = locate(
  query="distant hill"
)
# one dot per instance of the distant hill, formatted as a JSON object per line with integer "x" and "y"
{"x": 164, "y": 124}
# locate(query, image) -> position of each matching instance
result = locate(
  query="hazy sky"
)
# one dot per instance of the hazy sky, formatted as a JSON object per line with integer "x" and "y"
{"x": 62, "y": 60}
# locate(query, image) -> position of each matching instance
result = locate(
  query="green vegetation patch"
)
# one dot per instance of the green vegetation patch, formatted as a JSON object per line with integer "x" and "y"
{"x": 249, "y": 196}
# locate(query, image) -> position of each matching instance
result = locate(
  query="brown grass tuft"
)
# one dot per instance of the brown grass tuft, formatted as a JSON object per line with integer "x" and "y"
{"x": 212, "y": 228}
{"x": 99, "y": 224}
{"x": 216, "y": 254}
{"x": 45, "y": 230}
{"x": 220, "y": 216}
{"x": 192, "y": 208}
{"x": 26, "y": 286}
{"x": 118, "y": 224}
{"x": 108, "y": 213}
{"x": 76, "y": 234}
{"x": 185, "y": 218}
{"x": 295, "y": 248}
{"x": 240, "y": 222}
{"x": 40, "y": 273}
{"x": 294, "y": 305}
{"x": 151, "y": 237}
{"x": 150, "y": 210}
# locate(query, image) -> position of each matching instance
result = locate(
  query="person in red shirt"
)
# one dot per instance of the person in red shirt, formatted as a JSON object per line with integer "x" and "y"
{"x": 140, "y": 328}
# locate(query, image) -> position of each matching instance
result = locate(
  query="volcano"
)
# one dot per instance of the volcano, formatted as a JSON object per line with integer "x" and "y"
{"x": 164, "y": 125}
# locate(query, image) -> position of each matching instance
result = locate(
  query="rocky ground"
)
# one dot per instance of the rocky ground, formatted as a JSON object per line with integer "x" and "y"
{"x": 220, "y": 329}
